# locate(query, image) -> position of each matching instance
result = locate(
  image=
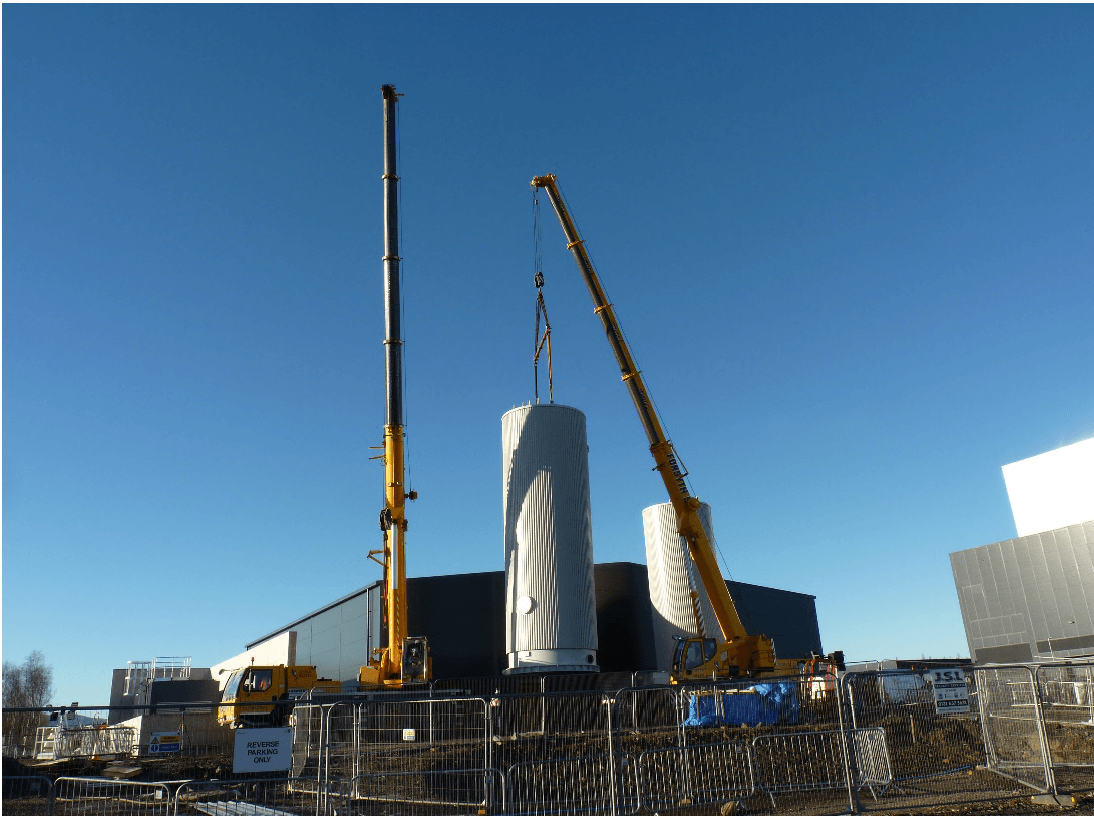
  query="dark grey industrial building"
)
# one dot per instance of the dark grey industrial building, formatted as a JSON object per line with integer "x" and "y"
{"x": 463, "y": 616}
{"x": 1029, "y": 598}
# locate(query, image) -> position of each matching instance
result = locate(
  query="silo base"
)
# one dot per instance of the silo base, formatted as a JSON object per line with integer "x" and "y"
{"x": 551, "y": 660}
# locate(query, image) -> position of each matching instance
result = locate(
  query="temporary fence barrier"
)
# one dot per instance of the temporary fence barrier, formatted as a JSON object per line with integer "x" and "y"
{"x": 434, "y": 792}
{"x": 59, "y": 742}
{"x": 273, "y": 796}
{"x": 30, "y": 794}
{"x": 1067, "y": 706}
{"x": 1013, "y": 727}
{"x": 581, "y": 784}
{"x": 879, "y": 741}
{"x": 111, "y": 797}
{"x": 411, "y": 751}
{"x": 653, "y": 711}
{"x": 803, "y": 762}
{"x": 696, "y": 774}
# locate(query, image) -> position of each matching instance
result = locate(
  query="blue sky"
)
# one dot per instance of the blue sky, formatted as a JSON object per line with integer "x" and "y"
{"x": 850, "y": 245}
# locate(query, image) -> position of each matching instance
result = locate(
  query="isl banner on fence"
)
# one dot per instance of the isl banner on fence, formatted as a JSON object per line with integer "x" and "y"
{"x": 951, "y": 695}
{"x": 261, "y": 750}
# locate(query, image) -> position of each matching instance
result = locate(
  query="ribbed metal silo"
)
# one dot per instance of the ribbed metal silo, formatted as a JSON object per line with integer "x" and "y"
{"x": 670, "y": 588}
{"x": 550, "y": 597}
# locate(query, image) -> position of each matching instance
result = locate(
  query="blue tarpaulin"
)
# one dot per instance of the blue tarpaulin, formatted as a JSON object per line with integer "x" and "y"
{"x": 762, "y": 704}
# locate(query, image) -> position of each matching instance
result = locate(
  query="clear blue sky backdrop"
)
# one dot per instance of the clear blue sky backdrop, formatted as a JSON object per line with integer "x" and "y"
{"x": 851, "y": 247}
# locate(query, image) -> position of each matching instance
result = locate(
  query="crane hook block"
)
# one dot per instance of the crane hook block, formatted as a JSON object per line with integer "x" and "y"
{"x": 385, "y": 519}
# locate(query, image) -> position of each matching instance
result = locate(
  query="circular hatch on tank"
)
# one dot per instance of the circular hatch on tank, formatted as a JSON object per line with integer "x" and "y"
{"x": 525, "y": 604}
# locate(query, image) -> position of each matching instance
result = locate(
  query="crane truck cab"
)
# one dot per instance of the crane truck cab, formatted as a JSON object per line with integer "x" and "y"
{"x": 263, "y": 696}
{"x": 699, "y": 659}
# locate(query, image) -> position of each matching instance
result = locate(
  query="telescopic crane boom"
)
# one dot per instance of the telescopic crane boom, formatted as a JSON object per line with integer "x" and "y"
{"x": 403, "y": 658}
{"x": 737, "y": 652}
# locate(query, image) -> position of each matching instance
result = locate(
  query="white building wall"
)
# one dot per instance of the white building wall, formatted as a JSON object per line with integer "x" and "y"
{"x": 277, "y": 651}
{"x": 1052, "y": 490}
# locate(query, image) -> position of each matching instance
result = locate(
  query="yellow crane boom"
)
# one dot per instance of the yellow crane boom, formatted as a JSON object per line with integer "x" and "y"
{"x": 403, "y": 658}
{"x": 739, "y": 652}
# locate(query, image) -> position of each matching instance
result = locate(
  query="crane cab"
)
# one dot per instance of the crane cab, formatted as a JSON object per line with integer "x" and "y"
{"x": 697, "y": 659}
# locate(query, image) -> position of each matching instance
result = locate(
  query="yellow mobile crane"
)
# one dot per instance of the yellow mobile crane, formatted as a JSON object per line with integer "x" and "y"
{"x": 402, "y": 659}
{"x": 698, "y": 658}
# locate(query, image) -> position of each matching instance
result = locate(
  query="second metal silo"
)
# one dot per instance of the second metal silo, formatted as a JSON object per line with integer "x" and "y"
{"x": 673, "y": 578}
{"x": 550, "y": 595}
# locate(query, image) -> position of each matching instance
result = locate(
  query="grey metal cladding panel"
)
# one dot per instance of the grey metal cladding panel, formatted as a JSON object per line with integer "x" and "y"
{"x": 353, "y": 653}
{"x": 972, "y": 564}
{"x": 1069, "y": 574}
{"x": 325, "y": 641}
{"x": 325, "y": 621}
{"x": 1057, "y": 599}
{"x": 1082, "y": 543}
{"x": 995, "y": 590}
{"x": 354, "y": 608}
{"x": 983, "y": 561}
{"x": 303, "y": 646}
{"x": 961, "y": 582}
{"x": 973, "y": 630}
{"x": 965, "y": 601}
{"x": 1009, "y": 585}
{"x": 1019, "y": 627}
{"x": 960, "y": 571}
{"x": 1028, "y": 552}
{"x": 1016, "y": 653}
{"x": 982, "y": 607}
{"x": 1040, "y": 596}
{"x": 327, "y": 664}
{"x": 1086, "y": 553}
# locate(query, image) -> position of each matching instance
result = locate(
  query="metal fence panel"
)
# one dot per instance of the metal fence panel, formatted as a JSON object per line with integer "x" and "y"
{"x": 276, "y": 796}
{"x": 803, "y": 761}
{"x": 547, "y": 727}
{"x": 1010, "y": 716}
{"x": 308, "y": 740}
{"x": 646, "y": 719}
{"x": 696, "y": 774}
{"x": 412, "y": 751}
{"x": 31, "y": 795}
{"x": 60, "y": 743}
{"x": 580, "y": 784}
{"x": 934, "y": 758}
{"x": 77, "y": 796}
{"x": 432, "y": 792}
{"x": 1067, "y": 706}
{"x": 921, "y": 742}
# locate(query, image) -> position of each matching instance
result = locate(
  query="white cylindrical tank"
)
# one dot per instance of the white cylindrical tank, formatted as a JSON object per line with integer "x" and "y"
{"x": 669, "y": 565}
{"x": 550, "y": 597}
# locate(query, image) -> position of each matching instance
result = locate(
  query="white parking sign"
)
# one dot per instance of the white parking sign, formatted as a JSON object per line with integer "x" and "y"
{"x": 951, "y": 695}
{"x": 263, "y": 750}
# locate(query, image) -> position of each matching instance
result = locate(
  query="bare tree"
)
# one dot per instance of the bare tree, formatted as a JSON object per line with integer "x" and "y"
{"x": 26, "y": 685}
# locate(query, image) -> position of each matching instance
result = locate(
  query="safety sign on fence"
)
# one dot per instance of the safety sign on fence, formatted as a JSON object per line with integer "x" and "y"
{"x": 260, "y": 750}
{"x": 165, "y": 742}
{"x": 951, "y": 695}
